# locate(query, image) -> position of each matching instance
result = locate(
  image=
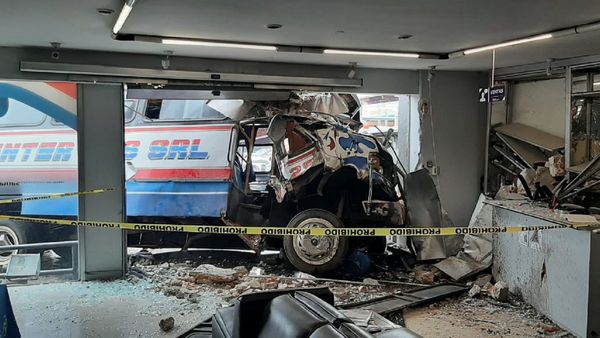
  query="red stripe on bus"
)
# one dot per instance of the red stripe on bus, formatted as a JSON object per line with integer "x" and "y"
{"x": 173, "y": 174}
{"x": 39, "y": 174}
{"x": 65, "y": 87}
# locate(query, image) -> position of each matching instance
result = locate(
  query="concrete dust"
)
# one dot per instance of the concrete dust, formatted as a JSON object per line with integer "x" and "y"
{"x": 484, "y": 318}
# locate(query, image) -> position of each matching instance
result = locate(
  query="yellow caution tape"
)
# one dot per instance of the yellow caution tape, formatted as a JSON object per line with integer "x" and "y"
{"x": 279, "y": 231}
{"x": 50, "y": 196}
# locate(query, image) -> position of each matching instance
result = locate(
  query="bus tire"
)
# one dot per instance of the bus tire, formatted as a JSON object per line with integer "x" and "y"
{"x": 312, "y": 254}
{"x": 13, "y": 234}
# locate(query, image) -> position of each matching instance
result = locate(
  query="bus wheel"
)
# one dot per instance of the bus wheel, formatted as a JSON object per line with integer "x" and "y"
{"x": 315, "y": 254}
{"x": 10, "y": 235}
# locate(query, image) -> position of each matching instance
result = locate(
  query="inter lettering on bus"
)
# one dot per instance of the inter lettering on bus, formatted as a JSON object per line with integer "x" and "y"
{"x": 36, "y": 152}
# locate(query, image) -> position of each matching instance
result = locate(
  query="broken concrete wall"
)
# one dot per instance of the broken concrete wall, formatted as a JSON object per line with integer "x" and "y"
{"x": 457, "y": 140}
{"x": 556, "y": 271}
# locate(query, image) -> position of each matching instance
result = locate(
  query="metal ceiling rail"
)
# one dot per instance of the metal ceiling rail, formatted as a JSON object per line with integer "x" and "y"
{"x": 183, "y": 75}
{"x": 550, "y": 69}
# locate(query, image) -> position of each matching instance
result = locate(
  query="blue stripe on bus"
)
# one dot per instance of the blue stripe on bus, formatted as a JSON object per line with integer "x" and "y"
{"x": 177, "y": 199}
{"x": 168, "y": 199}
{"x": 66, "y": 206}
{"x": 33, "y": 100}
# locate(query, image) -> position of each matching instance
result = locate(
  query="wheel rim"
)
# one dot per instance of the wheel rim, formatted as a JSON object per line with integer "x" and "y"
{"x": 315, "y": 250}
{"x": 7, "y": 237}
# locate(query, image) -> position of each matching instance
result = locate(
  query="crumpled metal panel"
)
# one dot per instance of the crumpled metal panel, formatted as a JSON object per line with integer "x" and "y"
{"x": 476, "y": 254}
{"x": 425, "y": 210}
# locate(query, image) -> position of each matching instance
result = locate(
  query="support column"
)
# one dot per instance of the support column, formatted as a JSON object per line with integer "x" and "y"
{"x": 102, "y": 252}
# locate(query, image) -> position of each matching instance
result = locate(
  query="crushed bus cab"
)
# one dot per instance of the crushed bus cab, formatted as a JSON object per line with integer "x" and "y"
{"x": 294, "y": 163}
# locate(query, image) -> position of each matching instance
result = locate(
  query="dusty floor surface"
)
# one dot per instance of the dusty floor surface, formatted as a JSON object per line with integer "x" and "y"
{"x": 454, "y": 317}
{"x": 164, "y": 284}
{"x": 468, "y": 317}
{"x": 103, "y": 309}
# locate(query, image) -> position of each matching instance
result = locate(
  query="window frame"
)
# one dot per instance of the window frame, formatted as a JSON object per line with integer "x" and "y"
{"x": 33, "y": 124}
{"x": 149, "y": 120}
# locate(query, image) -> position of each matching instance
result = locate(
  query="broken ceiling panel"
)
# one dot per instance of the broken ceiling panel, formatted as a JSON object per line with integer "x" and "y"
{"x": 533, "y": 136}
{"x": 525, "y": 151}
{"x": 577, "y": 169}
{"x": 509, "y": 157}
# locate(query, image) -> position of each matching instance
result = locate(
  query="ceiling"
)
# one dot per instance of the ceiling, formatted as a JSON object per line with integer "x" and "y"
{"x": 436, "y": 26}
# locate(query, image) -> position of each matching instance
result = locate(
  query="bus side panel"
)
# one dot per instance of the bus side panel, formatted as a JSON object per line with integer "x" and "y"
{"x": 177, "y": 199}
{"x": 180, "y": 171}
{"x": 39, "y": 162}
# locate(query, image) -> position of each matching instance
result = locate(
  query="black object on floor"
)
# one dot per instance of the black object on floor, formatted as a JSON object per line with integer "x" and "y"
{"x": 9, "y": 327}
{"x": 401, "y": 300}
{"x": 290, "y": 313}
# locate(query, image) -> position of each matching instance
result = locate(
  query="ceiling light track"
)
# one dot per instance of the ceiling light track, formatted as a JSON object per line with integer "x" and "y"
{"x": 274, "y": 48}
{"x": 183, "y": 75}
{"x": 594, "y": 26}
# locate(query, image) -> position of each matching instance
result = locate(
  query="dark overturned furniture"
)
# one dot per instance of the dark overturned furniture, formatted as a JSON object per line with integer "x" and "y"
{"x": 10, "y": 329}
{"x": 292, "y": 313}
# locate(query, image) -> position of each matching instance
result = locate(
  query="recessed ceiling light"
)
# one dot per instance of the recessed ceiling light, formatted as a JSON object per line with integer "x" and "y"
{"x": 105, "y": 11}
{"x": 208, "y": 43}
{"x": 371, "y": 53}
{"x": 273, "y": 26}
{"x": 404, "y": 36}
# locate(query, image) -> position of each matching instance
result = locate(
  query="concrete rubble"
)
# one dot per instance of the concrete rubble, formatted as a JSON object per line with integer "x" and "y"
{"x": 167, "y": 324}
{"x": 499, "y": 292}
{"x": 207, "y": 273}
{"x": 483, "y": 286}
{"x": 188, "y": 282}
{"x": 556, "y": 165}
{"x": 425, "y": 277}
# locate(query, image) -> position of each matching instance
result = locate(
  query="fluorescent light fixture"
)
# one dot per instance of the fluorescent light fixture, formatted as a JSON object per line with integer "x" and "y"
{"x": 127, "y": 7}
{"x": 372, "y": 53}
{"x": 217, "y": 44}
{"x": 508, "y": 43}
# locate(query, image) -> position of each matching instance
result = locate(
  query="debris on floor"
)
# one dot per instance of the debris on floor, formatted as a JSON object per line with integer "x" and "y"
{"x": 208, "y": 273}
{"x": 480, "y": 317}
{"x": 396, "y": 302}
{"x": 476, "y": 253}
{"x": 167, "y": 324}
{"x": 369, "y": 320}
{"x": 425, "y": 277}
{"x": 186, "y": 280}
{"x": 499, "y": 292}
